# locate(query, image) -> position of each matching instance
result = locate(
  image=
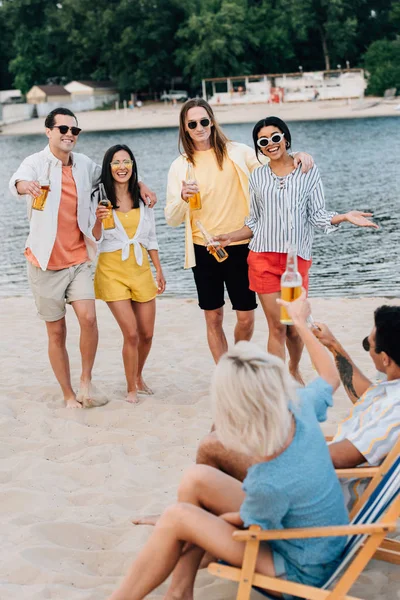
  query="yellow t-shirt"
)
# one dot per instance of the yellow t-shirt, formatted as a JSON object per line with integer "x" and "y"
{"x": 223, "y": 203}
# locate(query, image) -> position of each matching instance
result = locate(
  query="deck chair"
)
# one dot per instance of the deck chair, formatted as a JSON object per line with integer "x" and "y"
{"x": 389, "y": 550}
{"x": 366, "y": 532}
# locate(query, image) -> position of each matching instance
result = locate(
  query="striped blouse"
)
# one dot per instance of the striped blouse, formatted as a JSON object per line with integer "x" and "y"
{"x": 285, "y": 210}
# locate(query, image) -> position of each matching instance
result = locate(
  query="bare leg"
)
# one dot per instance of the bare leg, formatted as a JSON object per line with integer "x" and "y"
{"x": 58, "y": 355}
{"x": 277, "y": 331}
{"x": 211, "y": 452}
{"x": 125, "y": 317}
{"x": 215, "y": 333}
{"x": 245, "y": 325}
{"x": 295, "y": 348}
{"x": 218, "y": 493}
{"x": 145, "y": 313}
{"x": 86, "y": 314}
{"x": 179, "y": 524}
{"x": 279, "y": 335}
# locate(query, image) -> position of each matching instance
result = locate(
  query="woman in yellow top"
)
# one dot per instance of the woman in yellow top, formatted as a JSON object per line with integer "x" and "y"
{"x": 123, "y": 276}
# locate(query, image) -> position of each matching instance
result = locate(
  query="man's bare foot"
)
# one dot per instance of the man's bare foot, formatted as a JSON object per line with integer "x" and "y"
{"x": 295, "y": 373}
{"x": 146, "y": 520}
{"x": 72, "y": 403}
{"x": 132, "y": 398}
{"x": 90, "y": 396}
{"x": 143, "y": 388}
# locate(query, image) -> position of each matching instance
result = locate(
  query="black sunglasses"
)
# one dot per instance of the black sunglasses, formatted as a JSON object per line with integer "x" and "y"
{"x": 203, "y": 123}
{"x": 64, "y": 129}
{"x": 366, "y": 345}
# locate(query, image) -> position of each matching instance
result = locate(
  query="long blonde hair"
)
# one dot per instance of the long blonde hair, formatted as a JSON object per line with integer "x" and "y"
{"x": 218, "y": 139}
{"x": 251, "y": 391}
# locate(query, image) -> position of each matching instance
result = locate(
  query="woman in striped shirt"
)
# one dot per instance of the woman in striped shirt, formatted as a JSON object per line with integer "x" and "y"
{"x": 286, "y": 206}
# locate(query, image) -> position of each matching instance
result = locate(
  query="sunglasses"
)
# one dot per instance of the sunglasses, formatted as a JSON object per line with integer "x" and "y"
{"x": 64, "y": 129}
{"x": 203, "y": 123}
{"x": 115, "y": 164}
{"x": 366, "y": 345}
{"x": 276, "y": 138}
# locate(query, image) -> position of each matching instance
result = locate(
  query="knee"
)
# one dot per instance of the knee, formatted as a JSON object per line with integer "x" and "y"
{"x": 88, "y": 320}
{"x": 291, "y": 333}
{"x": 57, "y": 334}
{"x": 131, "y": 338}
{"x": 214, "y": 318}
{"x": 278, "y": 331}
{"x": 246, "y": 321}
{"x": 175, "y": 515}
{"x": 146, "y": 337}
{"x": 192, "y": 483}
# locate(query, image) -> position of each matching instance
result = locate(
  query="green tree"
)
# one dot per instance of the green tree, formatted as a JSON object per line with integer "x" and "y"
{"x": 213, "y": 40}
{"x": 382, "y": 61}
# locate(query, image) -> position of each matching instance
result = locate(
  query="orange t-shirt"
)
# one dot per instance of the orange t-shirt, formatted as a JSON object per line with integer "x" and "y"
{"x": 69, "y": 248}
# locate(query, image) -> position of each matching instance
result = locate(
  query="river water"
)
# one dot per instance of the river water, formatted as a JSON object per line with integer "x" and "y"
{"x": 359, "y": 160}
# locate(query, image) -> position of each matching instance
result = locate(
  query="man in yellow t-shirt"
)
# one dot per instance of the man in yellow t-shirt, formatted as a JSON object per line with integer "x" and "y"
{"x": 221, "y": 172}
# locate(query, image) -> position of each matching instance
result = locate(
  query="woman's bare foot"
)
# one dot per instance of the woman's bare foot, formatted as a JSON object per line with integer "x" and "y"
{"x": 295, "y": 373}
{"x": 143, "y": 388}
{"x": 72, "y": 403}
{"x": 89, "y": 396}
{"x": 132, "y": 398}
{"x": 146, "y": 520}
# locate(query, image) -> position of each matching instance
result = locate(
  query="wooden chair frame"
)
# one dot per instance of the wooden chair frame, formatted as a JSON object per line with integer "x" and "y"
{"x": 375, "y": 546}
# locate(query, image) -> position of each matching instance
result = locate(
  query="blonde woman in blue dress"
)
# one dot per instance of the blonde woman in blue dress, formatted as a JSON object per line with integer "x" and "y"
{"x": 123, "y": 276}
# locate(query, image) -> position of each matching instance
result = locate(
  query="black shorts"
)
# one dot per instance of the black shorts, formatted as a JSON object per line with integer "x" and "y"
{"x": 211, "y": 275}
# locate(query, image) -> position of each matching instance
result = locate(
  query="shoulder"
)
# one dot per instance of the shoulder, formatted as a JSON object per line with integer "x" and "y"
{"x": 82, "y": 159}
{"x": 237, "y": 148}
{"x": 177, "y": 164}
{"x": 259, "y": 174}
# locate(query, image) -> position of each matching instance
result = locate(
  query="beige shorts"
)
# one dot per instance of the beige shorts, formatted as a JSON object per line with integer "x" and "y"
{"x": 52, "y": 290}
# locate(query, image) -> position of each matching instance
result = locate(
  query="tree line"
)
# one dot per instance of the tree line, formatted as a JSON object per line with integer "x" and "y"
{"x": 143, "y": 45}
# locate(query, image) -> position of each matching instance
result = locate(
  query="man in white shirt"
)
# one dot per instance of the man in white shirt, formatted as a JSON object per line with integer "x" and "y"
{"x": 60, "y": 247}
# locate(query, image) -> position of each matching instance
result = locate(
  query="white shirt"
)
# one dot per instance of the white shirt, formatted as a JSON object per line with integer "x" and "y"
{"x": 43, "y": 224}
{"x": 117, "y": 238}
{"x": 285, "y": 210}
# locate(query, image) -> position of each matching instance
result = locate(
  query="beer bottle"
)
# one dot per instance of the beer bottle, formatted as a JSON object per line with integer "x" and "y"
{"x": 40, "y": 201}
{"x": 108, "y": 222}
{"x": 291, "y": 282}
{"x": 195, "y": 200}
{"x": 219, "y": 253}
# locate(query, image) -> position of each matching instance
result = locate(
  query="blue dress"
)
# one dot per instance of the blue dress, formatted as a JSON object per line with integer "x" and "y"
{"x": 299, "y": 488}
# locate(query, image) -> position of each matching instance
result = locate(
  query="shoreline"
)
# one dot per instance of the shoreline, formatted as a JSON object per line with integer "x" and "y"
{"x": 158, "y": 115}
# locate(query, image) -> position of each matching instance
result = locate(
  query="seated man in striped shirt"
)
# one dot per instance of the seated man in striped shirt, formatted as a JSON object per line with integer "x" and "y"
{"x": 371, "y": 429}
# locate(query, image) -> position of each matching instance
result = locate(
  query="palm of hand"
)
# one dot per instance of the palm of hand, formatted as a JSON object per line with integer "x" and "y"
{"x": 357, "y": 217}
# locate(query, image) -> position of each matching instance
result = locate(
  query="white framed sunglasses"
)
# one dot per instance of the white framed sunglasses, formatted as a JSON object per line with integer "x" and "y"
{"x": 276, "y": 138}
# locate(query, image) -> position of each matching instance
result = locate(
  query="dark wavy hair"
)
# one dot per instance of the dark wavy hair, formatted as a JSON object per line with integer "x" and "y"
{"x": 271, "y": 122}
{"x": 109, "y": 182}
{"x": 387, "y": 323}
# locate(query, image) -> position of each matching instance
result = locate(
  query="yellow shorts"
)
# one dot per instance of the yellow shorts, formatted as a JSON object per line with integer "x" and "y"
{"x": 116, "y": 279}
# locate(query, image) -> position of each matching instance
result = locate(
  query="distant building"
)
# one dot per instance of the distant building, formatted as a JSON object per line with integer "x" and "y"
{"x": 10, "y": 96}
{"x": 82, "y": 89}
{"x": 285, "y": 87}
{"x": 38, "y": 94}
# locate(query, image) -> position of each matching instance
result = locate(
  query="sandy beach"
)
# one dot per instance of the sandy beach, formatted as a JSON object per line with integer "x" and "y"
{"x": 72, "y": 480}
{"x": 161, "y": 115}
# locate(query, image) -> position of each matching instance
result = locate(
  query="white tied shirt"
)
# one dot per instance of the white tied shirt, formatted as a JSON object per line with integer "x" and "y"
{"x": 117, "y": 238}
{"x": 43, "y": 224}
{"x": 286, "y": 209}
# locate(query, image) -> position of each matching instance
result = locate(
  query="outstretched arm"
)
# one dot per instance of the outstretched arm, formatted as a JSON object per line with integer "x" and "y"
{"x": 354, "y": 382}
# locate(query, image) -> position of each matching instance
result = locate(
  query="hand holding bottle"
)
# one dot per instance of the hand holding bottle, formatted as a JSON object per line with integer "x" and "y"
{"x": 189, "y": 189}
{"x": 299, "y": 310}
{"x": 224, "y": 239}
{"x": 102, "y": 212}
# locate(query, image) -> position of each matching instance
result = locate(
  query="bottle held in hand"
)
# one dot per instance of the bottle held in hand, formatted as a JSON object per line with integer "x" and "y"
{"x": 195, "y": 200}
{"x": 291, "y": 284}
{"x": 108, "y": 222}
{"x": 219, "y": 253}
{"x": 39, "y": 202}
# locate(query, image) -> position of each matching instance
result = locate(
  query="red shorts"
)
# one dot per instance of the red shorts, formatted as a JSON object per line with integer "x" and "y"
{"x": 266, "y": 269}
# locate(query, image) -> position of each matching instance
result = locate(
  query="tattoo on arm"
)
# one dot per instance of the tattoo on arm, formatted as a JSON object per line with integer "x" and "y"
{"x": 345, "y": 369}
